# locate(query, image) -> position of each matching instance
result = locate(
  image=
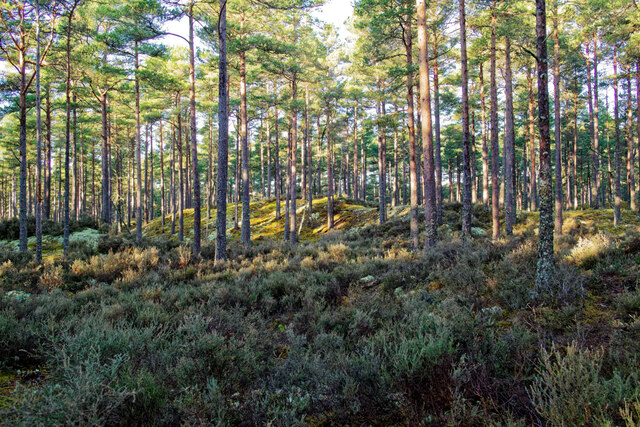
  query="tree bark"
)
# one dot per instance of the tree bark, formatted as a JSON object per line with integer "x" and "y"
{"x": 533, "y": 190}
{"x": 437, "y": 147}
{"x": 509, "y": 144}
{"x": 38, "y": 144}
{"x": 138, "y": 149}
{"x": 466, "y": 152}
{"x": 617, "y": 214}
{"x": 413, "y": 169}
{"x": 557, "y": 130}
{"x": 293, "y": 234}
{"x": 245, "y": 233}
{"x": 485, "y": 148}
{"x": 594, "y": 136}
{"x": 545, "y": 267}
{"x": 382, "y": 205}
{"x": 495, "y": 149}
{"x": 223, "y": 138}
{"x": 631, "y": 181}
{"x": 427, "y": 136}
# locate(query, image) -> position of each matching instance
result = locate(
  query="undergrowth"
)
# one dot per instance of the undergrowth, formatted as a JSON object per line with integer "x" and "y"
{"x": 347, "y": 328}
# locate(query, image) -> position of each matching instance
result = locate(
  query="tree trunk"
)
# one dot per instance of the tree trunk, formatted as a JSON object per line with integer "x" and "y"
{"x": 356, "y": 186}
{"x": 38, "y": 145}
{"x": 427, "y": 136}
{"x": 276, "y": 152}
{"x": 509, "y": 144}
{"x": 182, "y": 194}
{"x": 65, "y": 239}
{"x": 594, "y": 136}
{"x": 382, "y": 205}
{"x": 162, "y": 195}
{"x": 106, "y": 216}
{"x": 246, "y": 220}
{"x": 47, "y": 158}
{"x": 223, "y": 137}
{"x": 269, "y": 169}
{"x": 575, "y": 145}
{"x": 557, "y": 130}
{"x": 533, "y": 193}
{"x": 307, "y": 143}
{"x": 631, "y": 181}
{"x": 485, "y": 148}
{"x": 638, "y": 103}
{"x": 466, "y": 152}
{"x": 330, "y": 220}
{"x": 545, "y": 267}
{"x": 617, "y": 214}
{"x": 437, "y": 147}
{"x": 138, "y": 150}
{"x": 413, "y": 169}
{"x": 293, "y": 234}
{"x": 495, "y": 149}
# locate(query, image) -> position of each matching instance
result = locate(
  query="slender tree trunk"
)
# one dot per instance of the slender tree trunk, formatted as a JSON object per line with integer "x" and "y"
{"x": 427, "y": 136}
{"x": 263, "y": 190}
{"x": 38, "y": 144}
{"x": 356, "y": 186}
{"x": 594, "y": 136}
{"x": 617, "y": 214}
{"x": 638, "y": 104}
{"x": 575, "y": 146}
{"x": 472, "y": 135}
{"x": 182, "y": 194}
{"x": 413, "y": 169}
{"x": 437, "y": 147}
{"x": 631, "y": 181}
{"x": 381, "y": 157}
{"x": 163, "y": 210}
{"x": 223, "y": 137}
{"x": 76, "y": 180}
{"x": 65, "y": 239}
{"x": 485, "y": 148}
{"x": 466, "y": 155}
{"x": 330, "y": 219}
{"x": 151, "y": 187}
{"x": 106, "y": 217}
{"x": 533, "y": 194}
{"x": 246, "y": 220}
{"x": 276, "y": 152}
{"x": 138, "y": 149}
{"x": 396, "y": 183}
{"x": 307, "y": 143}
{"x": 47, "y": 158}
{"x": 495, "y": 149}
{"x": 172, "y": 184}
{"x": 557, "y": 130}
{"x": 236, "y": 181}
{"x": 293, "y": 235}
{"x": 545, "y": 268}
{"x": 509, "y": 144}
{"x": 269, "y": 167}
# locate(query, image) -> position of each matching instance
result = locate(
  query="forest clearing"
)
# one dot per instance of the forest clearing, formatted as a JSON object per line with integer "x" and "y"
{"x": 320, "y": 212}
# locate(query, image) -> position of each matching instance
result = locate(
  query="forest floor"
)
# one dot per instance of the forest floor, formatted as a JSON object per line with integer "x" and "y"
{"x": 348, "y": 327}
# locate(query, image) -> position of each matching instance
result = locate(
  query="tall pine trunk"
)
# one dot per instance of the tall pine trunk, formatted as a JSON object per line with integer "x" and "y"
{"x": 557, "y": 130}
{"x": 466, "y": 149}
{"x": 413, "y": 168}
{"x": 545, "y": 267}
{"x": 495, "y": 149}
{"x": 223, "y": 137}
{"x": 509, "y": 144}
